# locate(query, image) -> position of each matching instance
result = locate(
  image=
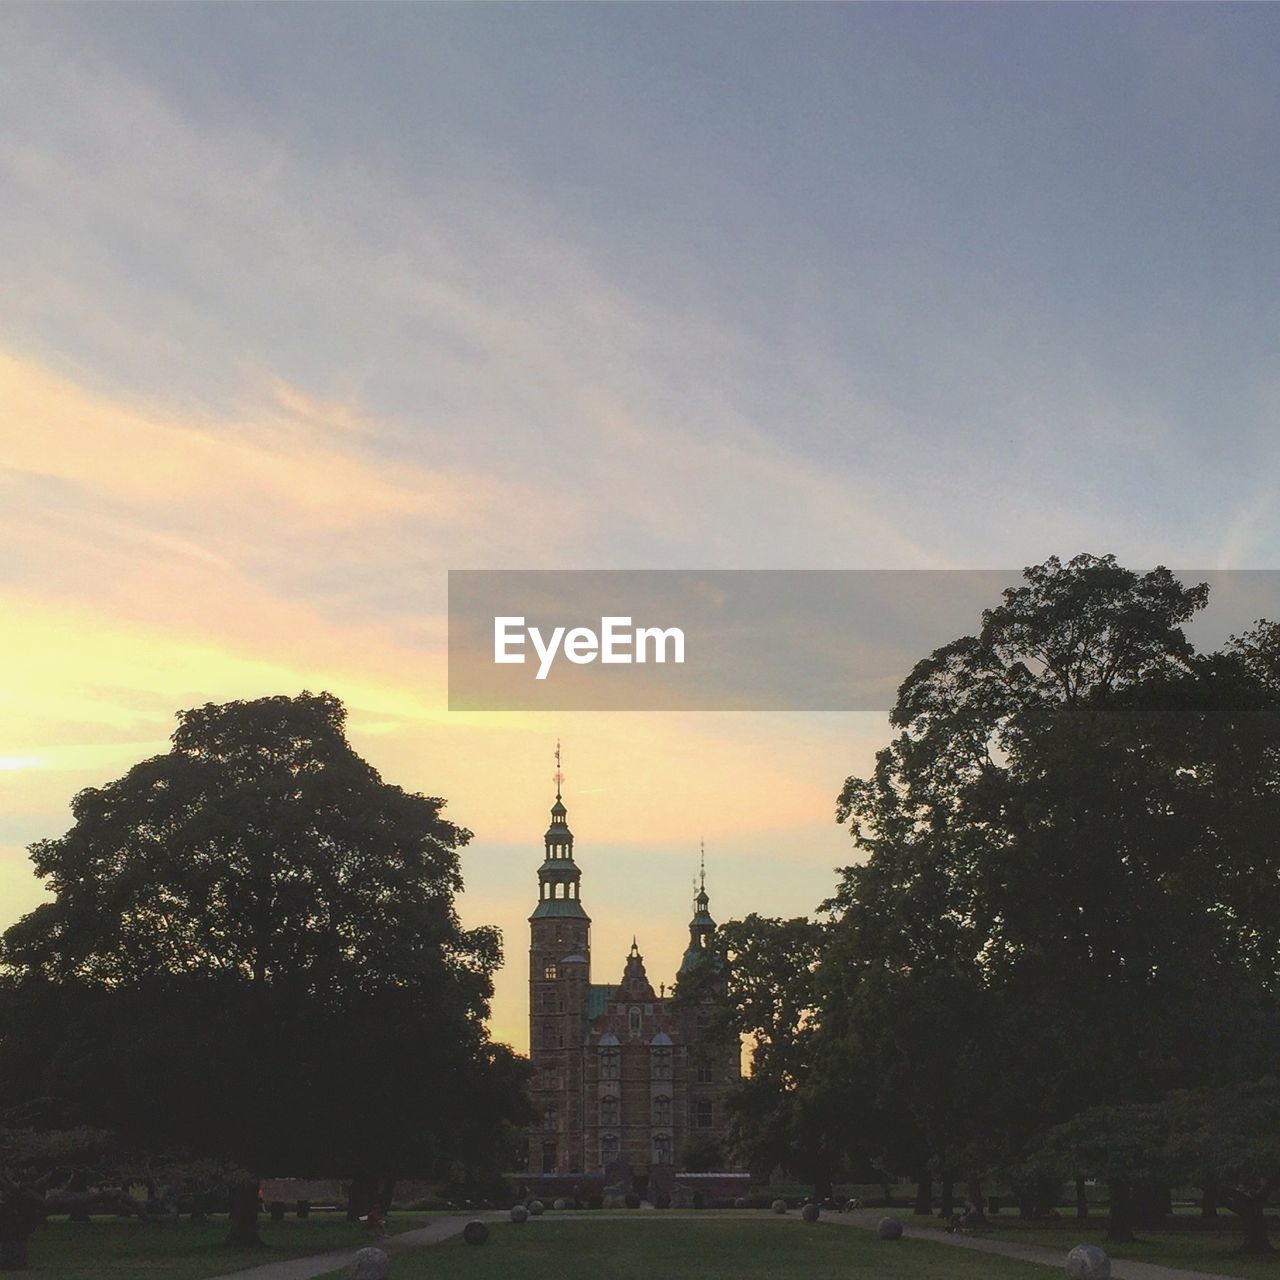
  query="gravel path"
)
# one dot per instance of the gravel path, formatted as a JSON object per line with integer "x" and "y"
{"x": 447, "y": 1228}
{"x": 1121, "y": 1269}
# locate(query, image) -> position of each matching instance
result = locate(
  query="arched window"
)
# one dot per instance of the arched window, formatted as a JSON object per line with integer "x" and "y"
{"x": 662, "y": 1111}
{"x": 662, "y": 1148}
{"x": 635, "y": 1021}
{"x": 661, "y": 1064}
{"x": 610, "y": 1062}
{"x": 609, "y": 1111}
{"x": 609, "y": 1148}
{"x": 551, "y": 1118}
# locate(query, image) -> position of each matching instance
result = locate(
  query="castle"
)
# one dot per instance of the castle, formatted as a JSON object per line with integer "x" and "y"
{"x": 625, "y": 1079}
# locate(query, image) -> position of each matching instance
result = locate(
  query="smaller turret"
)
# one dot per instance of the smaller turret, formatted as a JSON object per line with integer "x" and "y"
{"x": 702, "y": 928}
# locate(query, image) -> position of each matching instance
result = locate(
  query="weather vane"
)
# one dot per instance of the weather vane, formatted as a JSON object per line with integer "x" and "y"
{"x": 558, "y": 777}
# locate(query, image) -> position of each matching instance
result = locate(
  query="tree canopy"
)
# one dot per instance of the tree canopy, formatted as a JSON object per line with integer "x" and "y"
{"x": 253, "y": 951}
{"x": 1067, "y": 893}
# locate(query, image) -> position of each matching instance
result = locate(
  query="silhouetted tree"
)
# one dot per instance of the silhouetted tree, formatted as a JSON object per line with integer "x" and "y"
{"x": 253, "y": 952}
{"x": 1055, "y": 910}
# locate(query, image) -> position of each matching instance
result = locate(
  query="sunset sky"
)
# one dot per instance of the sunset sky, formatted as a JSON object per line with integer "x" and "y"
{"x": 301, "y": 307}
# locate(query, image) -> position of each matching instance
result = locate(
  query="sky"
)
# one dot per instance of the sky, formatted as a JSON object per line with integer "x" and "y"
{"x": 302, "y": 306}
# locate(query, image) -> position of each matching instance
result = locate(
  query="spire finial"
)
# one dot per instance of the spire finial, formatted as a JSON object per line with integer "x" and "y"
{"x": 702, "y": 865}
{"x": 558, "y": 777}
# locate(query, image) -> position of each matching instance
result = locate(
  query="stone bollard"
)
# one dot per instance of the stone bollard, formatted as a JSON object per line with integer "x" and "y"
{"x": 1088, "y": 1262}
{"x": 369, "y": 1264}
{"x": 475, "y": 1233}
{"x": 535, "y": 1207}
{"x": 779, "y": 1206}
{"x": 889, "y": 1229}
{"x": 519, "y": 1213}
{"x": 809, "y": 1213}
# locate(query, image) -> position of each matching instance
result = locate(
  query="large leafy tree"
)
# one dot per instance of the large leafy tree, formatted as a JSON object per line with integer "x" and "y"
{"x": 1072, "y": 834}
{"x": 766, "y": 996}
{"x": 253, "y": 951}
{"x": 1227, "y": 1137}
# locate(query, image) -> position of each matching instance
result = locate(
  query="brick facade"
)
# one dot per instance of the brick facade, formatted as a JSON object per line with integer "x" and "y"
{"x": 623, "y": 1076}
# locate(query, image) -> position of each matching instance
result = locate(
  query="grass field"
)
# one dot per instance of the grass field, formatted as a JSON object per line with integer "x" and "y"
{"x": 1197, "y": 1245}
{"x": 126, "y": 1250}
{"x": 692, "y": 1247}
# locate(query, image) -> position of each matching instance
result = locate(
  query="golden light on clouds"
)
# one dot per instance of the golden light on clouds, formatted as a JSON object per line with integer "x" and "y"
{"x": 172, "y": 558}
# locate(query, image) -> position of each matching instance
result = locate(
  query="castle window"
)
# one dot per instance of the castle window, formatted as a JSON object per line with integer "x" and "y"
{"x": 549, "y": 970}
{"x": 609, "y": 1111}
{"x": 662, "y": 1111}
{"x": 550, "y": 1158}
{"x": 610, "y": 1063}
{"x": 700, "y": 1114}
{"x": 662, "y": 1148}
{"x": 705, "y": 1074}
{"x": 661, "y": 1065}
{"x": 609, "y": 1148}
{"x": 551, "y": 1119}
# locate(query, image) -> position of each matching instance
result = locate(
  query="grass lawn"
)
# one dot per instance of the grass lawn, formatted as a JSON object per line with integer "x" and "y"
{"x": 1198, "y": 1245}
{"x": 692, "y": 1247}
{"x": 122, "y": 1249}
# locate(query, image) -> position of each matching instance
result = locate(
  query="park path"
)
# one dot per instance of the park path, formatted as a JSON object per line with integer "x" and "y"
{"x": 446, "y": 1228}
{"x": 318, "y": 1264}
{"x": 1121, "y": 1268}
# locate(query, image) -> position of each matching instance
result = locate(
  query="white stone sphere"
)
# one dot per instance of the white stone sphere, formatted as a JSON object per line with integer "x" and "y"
{"x": 1088, "y": 1262}
{"x": 369, "y": 1264}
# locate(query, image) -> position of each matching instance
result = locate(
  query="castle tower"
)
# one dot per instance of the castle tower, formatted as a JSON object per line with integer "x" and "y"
{"x": 559, "y": 975}
{"x": 702, "y": 930}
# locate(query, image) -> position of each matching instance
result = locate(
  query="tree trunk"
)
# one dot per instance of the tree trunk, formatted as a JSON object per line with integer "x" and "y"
{"x": 243, "y": 1227}
{"x": 1252, "y": 1212}
{"x": 1082, "y": 1201}
{"x": 948, "y": 1205}
{"x": 1256, "y": 1242}
{"x": 14, "y": 1254}
{"x": 1209, "y": 1199}
{"x": 1152, "y": 1204}
{"x": 977, "y": 1202}
{"x": 924, "y": 1196}
{"x": 22, "y": 1210}
{"x": 361, "y": 1195}
{"x": 1120, "y": 1211}
{"x": 386, "y": 1194}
